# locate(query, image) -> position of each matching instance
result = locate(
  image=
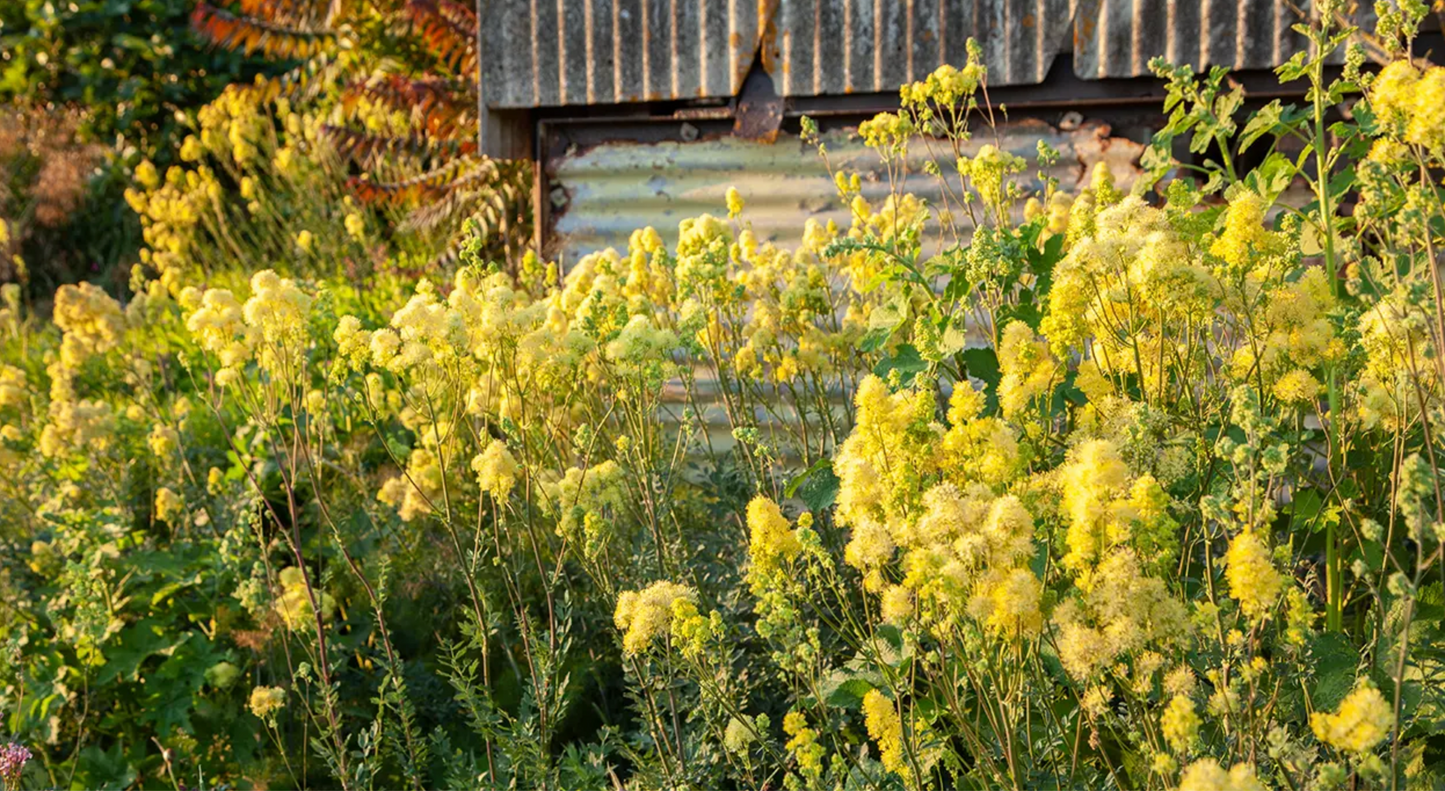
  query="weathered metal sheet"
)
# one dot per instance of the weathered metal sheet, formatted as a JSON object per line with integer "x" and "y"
{"x": 1118, "y": 38}
{"x": 549, "y": 53}
{"x": 615, "y": 188}
{"x": 867, "y": 46}
{"x": 544, "y": 53}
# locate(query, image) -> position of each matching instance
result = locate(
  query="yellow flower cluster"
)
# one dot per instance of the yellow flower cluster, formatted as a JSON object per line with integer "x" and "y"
{"x": 1109, "y": 510}
{"x": 1292, "y": 335}
{"x": 91, "y": 320}
{"x": 1027, "y": 366}
{"x": 591, "y": 504}
{"x": 1207, "y": 775}
{"x": 14, "y": 387}
{"x": 92, "y": 324}
{"x": 704, "y": 255}
{"x": 271, "y": 326}
{"x": 788, "y": 314}
{"x": 218, "y": 325}
{"x": 1129, "y": 289}
{"x": 293, "y": 605}
{"x": 1363, "y": 720}
{"x": 80, "y": 424}
{"x": 496, "y": 470}
{"x": 418, "y": 490}
{"x": 1180, "y": 724}
{"x": 1122, "y": 613}
{"x": 880, "y": 715}
{"x": 881, "y": 468}
{"x": 989, "y": 171}
{"x": 643, "y": 616}
{"x": 168, "y": 505}
{"x": 277, "y": 314}
{"x": 1393, "y": 333}
{"x": 888, "y": 133}
{"x": 1245, "y": 242}
{"x": 773, "y": 542}
{"x": 966, "y": 550}
{"x": 1413, "y": 102}
{"x": 803, "y": 744}
{"x": 1250, "y": 571}
{"x": 947, "y": 85}
{"x": 267, "y": 702}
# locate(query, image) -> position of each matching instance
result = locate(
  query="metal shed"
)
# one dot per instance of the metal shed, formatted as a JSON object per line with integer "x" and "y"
{"x": 645, "y": 111}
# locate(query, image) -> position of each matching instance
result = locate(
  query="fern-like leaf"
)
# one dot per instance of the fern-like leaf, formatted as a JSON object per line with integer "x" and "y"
{"x": 276, "y": 41}
{"x": 464, "y": 173}
{"x": 368, "y": 148}
{"x": 305, "y": 82}
{"x": 449, "y": 30}
{"x": 306, "y": 14}
{"x": 441, "y": 107}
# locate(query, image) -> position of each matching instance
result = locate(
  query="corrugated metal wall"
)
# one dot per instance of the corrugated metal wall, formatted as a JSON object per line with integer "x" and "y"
{"x": 553, "y": 53}
{"x": 615, "y": 188}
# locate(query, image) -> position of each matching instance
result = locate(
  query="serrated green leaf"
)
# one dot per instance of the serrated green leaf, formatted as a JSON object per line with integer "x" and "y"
{"x": 906, "y": 361}
{"x": 1263, "y": 122}
{"x": 817, "y": 486}
{"x": 844, "y": 691}
{"x": 1335, "y": 661}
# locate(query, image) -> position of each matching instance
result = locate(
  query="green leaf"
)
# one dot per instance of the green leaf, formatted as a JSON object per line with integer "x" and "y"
{"x": 166, "y": 591}
{"x": 1294, "y": 68}
{"x": 953, "y": 340}
{"x": 892, "y": 649}
{"x": 1335, "y": 660}
{"x": 958, "y": 286}
{"x": 844, "y": 691}
{"x": 133, "y": 645}
{"x": 1272, "y": 177}
{"x": 1042, "y": 263}
{"x": 1027, "y": 312}
{"x": 1226, "y": 106}
{"x": 1263, "y": 122}
{"x": 1308, "y": 509}
{"x": 906, "y": 361}
{"x": 875, "y": 339}
{"x": 982, "y": 364}
{"x": 817, "y": 486}
{"x": 882, "y": 323}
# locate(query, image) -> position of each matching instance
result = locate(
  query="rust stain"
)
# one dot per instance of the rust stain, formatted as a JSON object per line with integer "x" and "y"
{"x": 767, "y": 45}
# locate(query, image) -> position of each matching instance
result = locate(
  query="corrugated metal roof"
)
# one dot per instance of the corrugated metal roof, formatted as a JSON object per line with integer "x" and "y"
{"x": 1118, "y": 38}
{"x": 865, "y": 46}
{"x": 539, "y": 53}
{"x": 615, "y": 188}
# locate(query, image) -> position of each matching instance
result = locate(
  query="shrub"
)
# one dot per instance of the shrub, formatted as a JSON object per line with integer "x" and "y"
{"x": 1098, "y": 491}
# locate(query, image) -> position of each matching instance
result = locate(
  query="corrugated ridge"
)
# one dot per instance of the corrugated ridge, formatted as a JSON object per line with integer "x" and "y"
{"x": 869, "y": 46}
{"x": 616, "y": 188}
{"x": 547, "y": 53}
{"x": 1118, "y": 38}
{"x": 541, "y": 53}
